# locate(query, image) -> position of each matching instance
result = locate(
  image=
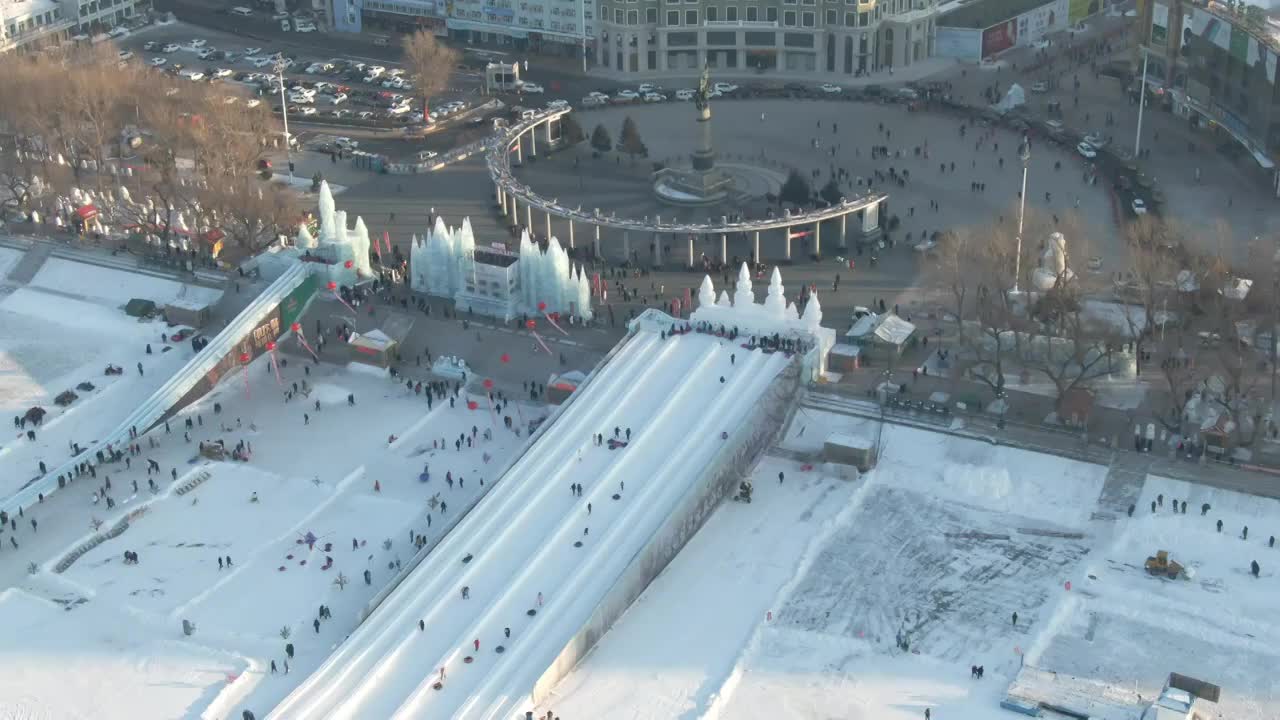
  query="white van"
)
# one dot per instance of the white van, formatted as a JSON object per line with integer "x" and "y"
{"x": 241, "y": 12}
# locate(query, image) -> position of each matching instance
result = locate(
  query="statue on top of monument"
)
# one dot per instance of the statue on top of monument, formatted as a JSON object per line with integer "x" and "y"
{"x": 702, "y": 97}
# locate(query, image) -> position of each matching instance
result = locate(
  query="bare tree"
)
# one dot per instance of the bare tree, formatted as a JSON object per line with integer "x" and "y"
{"x": 430, "y": 64}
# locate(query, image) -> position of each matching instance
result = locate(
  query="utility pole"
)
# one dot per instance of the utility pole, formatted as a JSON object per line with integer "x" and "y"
{"x": 284, "y": 114}
{"x": 1024, "y": 154}
{"x": 1142, "y": 102}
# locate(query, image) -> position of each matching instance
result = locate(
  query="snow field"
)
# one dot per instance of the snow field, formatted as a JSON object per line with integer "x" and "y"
{"x": 316, "y": 477}
{"x": 50, "y": 343}
{"x": 1128, "y": 630}
{"x": 671, "y": 653}
{"x": 113, "y": 287}
{"x": 93, "y": 661}
{"x": 522, "y": 537}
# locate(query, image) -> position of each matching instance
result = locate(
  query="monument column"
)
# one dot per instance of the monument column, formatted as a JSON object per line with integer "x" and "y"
{"x": 657, "y": 250}
{"x": 548, "y": 133}
{"x": 520, "y": 149}
{"x": 690, "y": 249}
{"x": 597, "y": 240}
{"x": 817, "y": 239}
{"x": 533, "y": 141}
{"x": 844, "y": 238}
{"x": 502, "y": 200}
{"x": 515, "y": 210}
{"x": 548, "y": 224}
{"x": 571, "y": 245}
{"x": 528, "y": 216}
{"x": 626, "y": 245}
{"x": 724, "y": 248}
{"x": 756, "y": 254}
{"x": 787, "y": 230}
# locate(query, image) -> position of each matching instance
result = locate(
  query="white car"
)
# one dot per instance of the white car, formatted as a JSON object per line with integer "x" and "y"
{"x": 170, "y": 48}
{"x": 829, "y": 88}
{"x": 125, "y": 55}
{"x": 1039, "y": 86}
{"x": 198, "y": 43}
{"x": 724, "y": 87}
{"x": 284, "y": 25}
{"x": 251, "y": 51}
{"x": 654, "y": 97}
{"x": 280, "y": 16}
{"x": 338, "y": 99}
{"x": 557, "y": 104}
{"x": 301, "y": 99}
{"x": 230, "y": 100}
{"x": 365, "y": 114}
{"x": 376, "y": 69}
{"x": 598, "y": 95}
{"x": 222, "y": 72}
{"x": 1097, "y": 140}
{"x": 1139, "y": 207}
{"x": 1086, "y": 150}
{"x": 119, "y": 32}
{"x": 346, "y": 143}
{"x": 428, "y": 155}
{"x": 192, "y": 75}
{"x": 306, "y": 110}
{"x": 398, "y": 109}
{"x": 261, "y": 62}
{"x": 646, "y": 88}
{"x": 157, "y": 61}
{"x": 627, "y": 95}
{"x": 592, "y": 101}
{"x": 339, "y": 113}
{"x": 304, "y": 27}
{"x": 684, "y": 94}
{"x": 531, "y": 88}
{"x": 204, "y": 53}
{"x": 252, "y": 102}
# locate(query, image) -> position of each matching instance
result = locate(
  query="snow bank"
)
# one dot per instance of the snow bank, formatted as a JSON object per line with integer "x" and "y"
{"x": 9, "y": 257}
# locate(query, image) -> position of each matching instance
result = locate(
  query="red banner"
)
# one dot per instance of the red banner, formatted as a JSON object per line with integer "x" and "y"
{"x": 998, "y": 38}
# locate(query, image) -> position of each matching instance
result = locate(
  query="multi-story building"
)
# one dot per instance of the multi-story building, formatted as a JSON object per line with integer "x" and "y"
{"x": 1217, "y": 66}
{"x": 560, "y": 26}
{"x": 92, "y": 16}
{"x": 846, "y": 37}
{"x": 30, "y": 22}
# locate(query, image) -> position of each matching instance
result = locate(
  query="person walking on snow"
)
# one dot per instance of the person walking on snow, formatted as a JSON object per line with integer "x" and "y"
{"x": 477, "y": 644}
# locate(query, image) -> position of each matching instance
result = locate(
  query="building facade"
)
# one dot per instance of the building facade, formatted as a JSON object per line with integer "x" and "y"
{"x": 31, "y": 22}
{"x": 1217, "y": 67}
{"x": 845, "y": 37}
{"x": 549, "y": 26}
{"x": 94, "y": 16}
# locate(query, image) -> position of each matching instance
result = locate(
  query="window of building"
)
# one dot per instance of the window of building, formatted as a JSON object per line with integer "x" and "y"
{"x": 833, "y": 17}
{"x": 712, "y": 12}
{"x": 807, "y": 19}
{"x": 651, "y": 15}
{"x": 722, "y": 38}
{"x": 617, "y": 16}
{"x": 789, "y": 18}
{"x": 862, "y": 19}
{"x": 682, "y": 39}
{"x": 690, "y": 17}
{"x": 753, "y": 13}
{"x": 798, "y": 40}
{"x": 758, "y": 39}
{"x": 851, "y": 19}
{"x": 633, "y": 17}
{"x": 771, "y": 14}
{"x": 673, "y": 17}
{"x": 731, "y": 13}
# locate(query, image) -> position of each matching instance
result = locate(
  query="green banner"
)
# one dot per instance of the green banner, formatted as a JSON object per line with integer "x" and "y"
{"x": 1078, "y": 10}
{"x": 1239, "y": 44}
{"x": 294, "y": 303}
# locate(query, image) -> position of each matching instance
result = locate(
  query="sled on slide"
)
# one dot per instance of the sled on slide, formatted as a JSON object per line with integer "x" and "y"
{"x": 424, "y": 477}
{"x": 615, "y": 444}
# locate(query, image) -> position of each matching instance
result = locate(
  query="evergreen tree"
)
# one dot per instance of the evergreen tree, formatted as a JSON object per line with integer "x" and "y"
{"x": 572, "y": 131}
{"x": 831, "y": 192}
{"x": 795, "y": 190}
{"x": 600, "y": 139}
{"x": 629, "y": 141}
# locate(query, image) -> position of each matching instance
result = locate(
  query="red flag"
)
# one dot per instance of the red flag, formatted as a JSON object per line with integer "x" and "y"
{"x": 386, "y": 240}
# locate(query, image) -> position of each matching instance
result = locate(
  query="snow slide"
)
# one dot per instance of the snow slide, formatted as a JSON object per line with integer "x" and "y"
{"x": 535, "y": 559}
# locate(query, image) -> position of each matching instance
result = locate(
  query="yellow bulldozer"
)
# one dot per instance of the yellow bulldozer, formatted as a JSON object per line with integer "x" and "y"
{"x": 1160, "y": 564}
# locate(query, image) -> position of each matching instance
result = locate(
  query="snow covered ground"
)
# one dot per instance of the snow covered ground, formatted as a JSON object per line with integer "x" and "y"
{"x": 53, "y": 341}
{"x": 314, "y": 463}
{"x": 534, "y": 557}
{"x": 9, "y": 257}
{"x": 94, "y": 661}
{"x": 115, "y": 287}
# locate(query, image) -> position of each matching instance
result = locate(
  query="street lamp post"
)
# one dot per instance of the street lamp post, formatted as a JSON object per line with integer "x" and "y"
{"x": 1142, "y": 102}
{"x": 284, "y": 114}
{"x": 584, "y": 37}
{"x": 1024, "y": 154}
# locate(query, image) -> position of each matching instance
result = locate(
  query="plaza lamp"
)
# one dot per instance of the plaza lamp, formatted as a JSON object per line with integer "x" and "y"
{"x": 1024, "y": 154}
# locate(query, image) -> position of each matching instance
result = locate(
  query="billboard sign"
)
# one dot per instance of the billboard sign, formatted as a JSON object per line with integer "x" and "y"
{"x": 998, "y": 38}
{"x": 1159, "y": 24}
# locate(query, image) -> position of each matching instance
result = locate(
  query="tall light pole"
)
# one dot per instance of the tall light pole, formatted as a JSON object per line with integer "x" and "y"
{"x": 284, "y": 113}
{"x": 1142, "y": 102}
{"x": 1024, "y": 154}
{"x": 584, "y": 37}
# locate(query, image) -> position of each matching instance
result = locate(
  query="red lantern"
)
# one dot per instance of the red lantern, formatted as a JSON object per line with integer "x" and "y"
{"x": 488, "y": 384}
{"x": 348, "y": 264}
{"x": 244, "y": 357}
{"x": 333, "y": 285}
{"x": 542, "y": 307}
{"x": 531, "y": 324}
{"x": 271, "y": 346}
{"x": 295, "y": 327}
{"x": 555, "y": 316}
{"x": 472, "y": 405}
{"x": 505, "y": 358}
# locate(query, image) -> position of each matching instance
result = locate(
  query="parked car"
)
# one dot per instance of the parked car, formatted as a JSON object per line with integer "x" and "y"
{"x": 346, "y": 143}
{"x": 198, "y": 42}
{"x": 252, "y": 102}
{"x": 248, "y": 52}
{"x": 365, "y": 115}
{"x": 684, "y": 94}
{"x": 1139, "y": 206}
{"x": 531, "y": 88}
{"x": 339, "y": 113}
{"x": 125, "y": 55}
{"x": 222, "y": 72}
{"x": 654, "y": 97}
{"x": 830, "y": 88}
{"x": 646, "y": 88}
{"x": 1039, "y": 86}
{"x": 306, "y": 110}
{"x": 171, "y": 48}
{"x": 150, "y": 45}
{"x": 204, "y": 53}
{"x": 157, "y": 61}
{"x": 1086, "y": 150}
{"x": 338, "y": 99}
{"x": 724, "y": 87}
{"x": 557, "y": 104}
{"x": 626, "y": 96}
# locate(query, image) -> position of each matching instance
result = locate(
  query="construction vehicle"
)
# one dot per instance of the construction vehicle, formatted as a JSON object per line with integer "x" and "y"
{"x": 744, "y": 492}
{"x": 1160, "y": 564}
